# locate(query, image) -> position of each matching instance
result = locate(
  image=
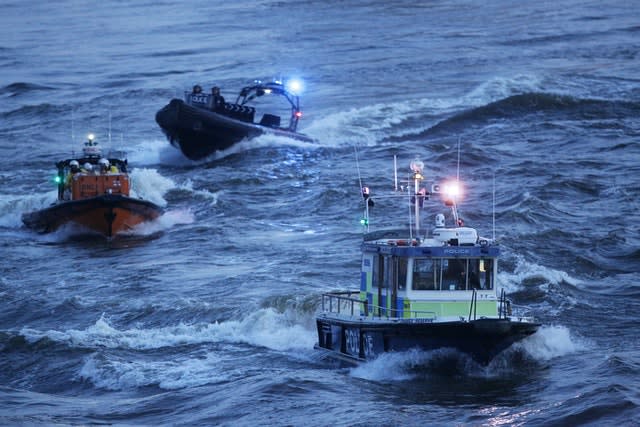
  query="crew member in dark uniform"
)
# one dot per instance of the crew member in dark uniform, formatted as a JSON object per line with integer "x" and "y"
{"x": 217, "y": 100}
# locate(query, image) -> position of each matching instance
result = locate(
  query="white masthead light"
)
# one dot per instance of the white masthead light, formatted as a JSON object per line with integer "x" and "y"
{"x": 417, "y": 166}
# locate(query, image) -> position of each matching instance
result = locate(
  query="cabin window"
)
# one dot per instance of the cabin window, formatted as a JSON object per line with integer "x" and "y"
{"x": 485, "y": 273}
{"x": 377, "y": 271}
{"x": 395, "y": 272}
{"x": 423, "y": 275}
{"x": 454, "y": 274}
{"x": 474, "y": 274}
{"x": 401, "y": 268}
{"x": 389, "y": 272}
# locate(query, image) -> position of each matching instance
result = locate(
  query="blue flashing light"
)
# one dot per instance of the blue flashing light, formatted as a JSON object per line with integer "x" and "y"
{"x": 294, "y": 86}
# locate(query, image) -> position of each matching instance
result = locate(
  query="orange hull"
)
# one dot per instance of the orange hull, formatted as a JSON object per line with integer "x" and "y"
{"x": 107, "y": 214}
{"x": 97, "y": 201}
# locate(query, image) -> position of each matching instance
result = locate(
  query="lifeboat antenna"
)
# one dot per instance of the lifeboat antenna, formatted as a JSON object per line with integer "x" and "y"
{"x": 494, "y": 207}
{"x": 458, "y": 167}
{"x": 109, "y": 132}
{"x": 72, "y": 132}
{"x": 395, "y": 171}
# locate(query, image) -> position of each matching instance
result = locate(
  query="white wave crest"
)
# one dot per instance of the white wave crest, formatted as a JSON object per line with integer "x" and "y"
{"x": 264, "y": 327}
{"x": 394, "y": 366}
{"x": 550, "y": 342}
{"x": 154, "y": 152}
{"x": 202, "y": 193}
{"x": 546, "y": 344}
{"x": 500, "y": 87}
{"x": 149, "y": 185}
{"x": 526, "y": 270}
{"x": 166, "y": 221}
{"x": 12, "y": 207}
{"x": 117, "y": 374}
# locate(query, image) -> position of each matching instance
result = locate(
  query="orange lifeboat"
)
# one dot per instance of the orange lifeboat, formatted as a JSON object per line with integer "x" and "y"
{"x": 95, "y": 197}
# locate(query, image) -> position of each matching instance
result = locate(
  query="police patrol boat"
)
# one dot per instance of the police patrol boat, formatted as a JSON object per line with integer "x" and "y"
{"x": 93, "y": 192}
{"x": 204, "y": 123}
{"x": 424, "y": 289}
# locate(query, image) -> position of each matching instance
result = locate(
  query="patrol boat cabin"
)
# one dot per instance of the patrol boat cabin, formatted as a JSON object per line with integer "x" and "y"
{"x": 202, "y": 124}
{"x": 420, "y": 289}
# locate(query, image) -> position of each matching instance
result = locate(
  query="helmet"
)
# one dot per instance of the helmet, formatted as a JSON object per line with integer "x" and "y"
{"x": 104, "y": 163}
{"x": 88, "y": 167}
{"x": 73, "y": 164}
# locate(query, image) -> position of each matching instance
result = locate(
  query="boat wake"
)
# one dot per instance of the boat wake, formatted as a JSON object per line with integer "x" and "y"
{"x": 150, "y": 152}
{"x": 261, "y": 142}
{"x": 125, "y": 374}
{"x": 166, "y": 221}
{"x": 150, "y": 185}
{"x": 195, "y": 359}
{"x": 552, "y": 341}
{"x": 546, "y": 344}
{"x": 407, "y": 365}
{"x": 12, "y": 207}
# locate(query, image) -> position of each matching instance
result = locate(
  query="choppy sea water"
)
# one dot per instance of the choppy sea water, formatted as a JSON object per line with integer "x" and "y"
{"x": 206, "y": 317}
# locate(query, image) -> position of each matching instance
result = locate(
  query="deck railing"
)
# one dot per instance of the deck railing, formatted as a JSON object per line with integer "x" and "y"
{"x": 349, "y": 303}
{"x": 343, "y": 302}
{"x": 521, "y": 313}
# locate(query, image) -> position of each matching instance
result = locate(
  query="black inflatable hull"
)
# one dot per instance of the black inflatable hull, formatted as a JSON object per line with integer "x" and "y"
{"x": 107, "y": 214}
{"x": 198, "y": 132}
{"x": 359, "y": 340}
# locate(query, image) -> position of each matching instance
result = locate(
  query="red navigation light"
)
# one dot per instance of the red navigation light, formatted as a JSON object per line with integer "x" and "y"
{"x": 298, "y": 114}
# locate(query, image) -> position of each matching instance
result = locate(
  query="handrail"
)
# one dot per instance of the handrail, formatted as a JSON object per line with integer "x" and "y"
{"x": 348, "y": 301}
{"x": 342, "y": 298}
{"x": 520, "y": 311}
{"x": 339, "y": 302}
{"x": 473, "y": 307}
{"x": 503, "y": 305}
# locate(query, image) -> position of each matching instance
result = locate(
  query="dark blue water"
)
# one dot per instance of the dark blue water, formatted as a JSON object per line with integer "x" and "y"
{"x": 206, "y": 317}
